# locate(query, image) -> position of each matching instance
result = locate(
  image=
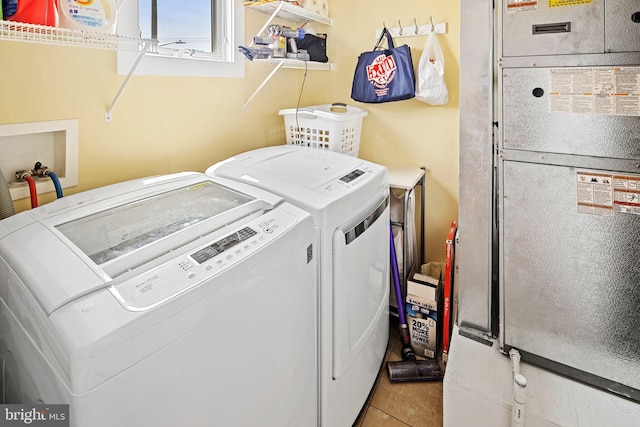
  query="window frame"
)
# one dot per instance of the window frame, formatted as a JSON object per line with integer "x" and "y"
{"x": 174, "y": 62}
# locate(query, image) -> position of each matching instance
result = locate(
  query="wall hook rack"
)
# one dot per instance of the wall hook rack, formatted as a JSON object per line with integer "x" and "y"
{"x": 415, "y": 29}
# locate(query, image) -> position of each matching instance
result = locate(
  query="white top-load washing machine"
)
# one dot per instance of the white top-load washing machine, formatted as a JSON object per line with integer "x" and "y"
{"x": 179, "y": 300}
{"x": 348, "y": 198}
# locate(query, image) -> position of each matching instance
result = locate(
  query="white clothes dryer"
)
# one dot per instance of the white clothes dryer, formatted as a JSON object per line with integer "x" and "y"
{"x": 349, "y": 200}
{"x": 178, "y": 300}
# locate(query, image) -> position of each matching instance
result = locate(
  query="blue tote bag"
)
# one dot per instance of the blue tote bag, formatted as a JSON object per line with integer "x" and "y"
{"x": 384, "y": 75}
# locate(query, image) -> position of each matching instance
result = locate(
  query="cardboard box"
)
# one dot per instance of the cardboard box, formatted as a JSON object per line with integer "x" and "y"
{"x": 422, "y": 313}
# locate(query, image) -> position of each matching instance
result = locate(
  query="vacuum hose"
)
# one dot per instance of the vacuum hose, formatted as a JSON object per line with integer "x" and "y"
{"x": 6, "y": 204}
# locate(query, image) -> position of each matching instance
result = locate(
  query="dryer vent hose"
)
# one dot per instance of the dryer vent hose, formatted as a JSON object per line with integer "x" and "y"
{"x": 6, "y": 204}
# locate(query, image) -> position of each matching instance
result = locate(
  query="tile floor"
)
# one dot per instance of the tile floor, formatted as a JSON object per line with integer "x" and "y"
{"x": 411, "y": 404}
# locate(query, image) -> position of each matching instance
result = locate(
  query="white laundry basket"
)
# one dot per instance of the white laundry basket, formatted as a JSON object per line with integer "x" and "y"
{"x": 335, "y": 127}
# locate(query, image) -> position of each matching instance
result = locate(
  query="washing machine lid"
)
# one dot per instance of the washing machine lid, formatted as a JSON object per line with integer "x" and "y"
{"x": 81, "y": 243}
{"x": 120, "y": 230}
{"x": 307, "y": 168}
{"x": 309, "y": 177}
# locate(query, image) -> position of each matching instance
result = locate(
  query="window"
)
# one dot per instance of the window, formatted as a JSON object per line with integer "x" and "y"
{"x": 195, "y": 38}
{"x": 187, "y": 25}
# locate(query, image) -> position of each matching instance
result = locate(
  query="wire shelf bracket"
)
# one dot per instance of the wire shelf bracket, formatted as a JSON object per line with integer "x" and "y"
{"x": 145, "y": 49}
{"x": 43, "y": 34}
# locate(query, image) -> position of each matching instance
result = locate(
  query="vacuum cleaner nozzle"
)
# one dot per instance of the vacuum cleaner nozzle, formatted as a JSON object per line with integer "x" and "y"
{"x": 414, "y": 370}
{"x": 408, "y": 353}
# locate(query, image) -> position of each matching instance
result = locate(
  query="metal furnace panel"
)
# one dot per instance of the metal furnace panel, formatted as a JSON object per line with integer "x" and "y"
{"x": 570, "y": 279}
{"x": 550, "y": 110}
{"x": 475, "y": 216}
{"x": 622, "y": 26}
{"x": 552, "y": 27}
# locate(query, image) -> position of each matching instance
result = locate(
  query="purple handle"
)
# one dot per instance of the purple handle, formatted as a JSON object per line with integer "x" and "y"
{"x": 396, "y": 279}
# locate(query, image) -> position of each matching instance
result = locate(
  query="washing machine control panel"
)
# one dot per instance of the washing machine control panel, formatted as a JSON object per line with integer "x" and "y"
{"x": 352, "y": 176}
{"x": 350, "y": 181}
{"x": 222, "y": 245}
{"x": 187, "y": 271}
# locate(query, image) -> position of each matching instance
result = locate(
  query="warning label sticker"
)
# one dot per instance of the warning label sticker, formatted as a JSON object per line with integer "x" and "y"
{"x": 626, "y": 194}
{"x": 521, "y": 5}
{"x": 555, "y": 3}
{"x": 607, "y": 194}
{"x": 613, "y": 91}
{"x": 595, "y": 195}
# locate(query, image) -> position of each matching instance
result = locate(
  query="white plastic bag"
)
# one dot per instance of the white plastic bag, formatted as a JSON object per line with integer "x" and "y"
{"x": 431, "y": 87}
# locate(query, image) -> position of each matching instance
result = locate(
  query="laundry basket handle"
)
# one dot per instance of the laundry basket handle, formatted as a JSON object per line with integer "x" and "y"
{"x": 340, "y": 116}
{"x": 306, "y": 113}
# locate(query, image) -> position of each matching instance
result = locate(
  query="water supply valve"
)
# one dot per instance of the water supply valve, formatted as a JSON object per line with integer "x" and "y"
{"x": 25, "y": 175}
{"x": 40, "y": 171}
{"x": 22, "y": 175}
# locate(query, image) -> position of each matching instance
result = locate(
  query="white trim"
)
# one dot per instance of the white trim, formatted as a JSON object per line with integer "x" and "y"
{"x": 161, "y": 64}
{"x": 61, "y": 147}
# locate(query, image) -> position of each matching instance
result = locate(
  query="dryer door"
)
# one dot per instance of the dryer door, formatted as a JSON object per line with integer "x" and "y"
{"x": 360, "y": 286}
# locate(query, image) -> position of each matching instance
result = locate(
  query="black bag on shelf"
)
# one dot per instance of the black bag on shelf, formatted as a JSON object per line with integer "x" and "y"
{"x": 315, "y": 45}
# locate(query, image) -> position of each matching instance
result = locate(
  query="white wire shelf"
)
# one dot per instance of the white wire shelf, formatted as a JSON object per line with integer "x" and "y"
{"x": 290, "y": 11}
{"x": 294, "y": 13}
{"x": 17, "y": 31}
{"x": 286, "y": 63}
{"x": 298, "y": 63}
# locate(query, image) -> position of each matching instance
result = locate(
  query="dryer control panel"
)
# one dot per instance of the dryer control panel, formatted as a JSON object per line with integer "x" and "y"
{"x": 184, "y": 272}
{"x": 350, "y": 181}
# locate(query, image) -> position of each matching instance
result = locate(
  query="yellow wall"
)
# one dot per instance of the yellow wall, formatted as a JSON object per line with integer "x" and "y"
{"x": 170, "y": 124}
{"x": 409, "y": 132}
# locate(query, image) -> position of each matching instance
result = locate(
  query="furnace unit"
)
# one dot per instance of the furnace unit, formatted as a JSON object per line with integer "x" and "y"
{"x": 550, "y": 193}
